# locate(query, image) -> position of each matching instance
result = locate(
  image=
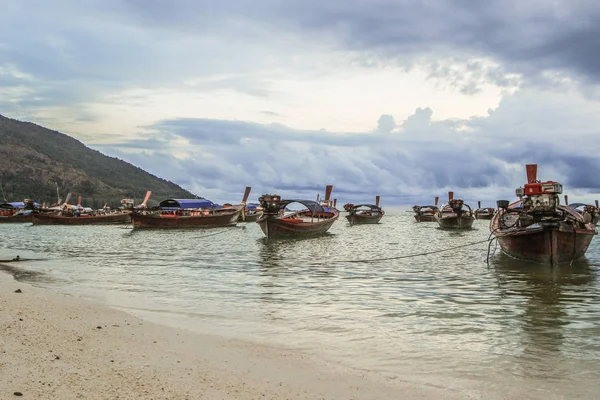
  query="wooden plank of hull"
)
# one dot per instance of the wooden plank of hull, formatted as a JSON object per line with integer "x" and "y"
{"x": 551, "y": 245}
{"x": 226, "y": 217}
{"x": 55, "y": 219}
{"x": 278, "y": 227}
{"x": 484, "y": 216}
{"x": 364, "y": 219}
{"x": 425, "y": 218}
{"x": 455, "y": 221}
{"x": 16, "y": 219}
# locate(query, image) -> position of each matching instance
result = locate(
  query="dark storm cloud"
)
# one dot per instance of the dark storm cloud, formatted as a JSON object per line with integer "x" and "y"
{"x": 524, "y": 37}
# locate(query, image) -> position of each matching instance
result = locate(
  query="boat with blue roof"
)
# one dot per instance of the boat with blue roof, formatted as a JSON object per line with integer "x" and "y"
{"x": 187, "y": 213}
{"x": 17, "y": 211}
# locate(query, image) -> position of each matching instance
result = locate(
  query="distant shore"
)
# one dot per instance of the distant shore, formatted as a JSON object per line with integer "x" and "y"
{"x": 57, "y": 346}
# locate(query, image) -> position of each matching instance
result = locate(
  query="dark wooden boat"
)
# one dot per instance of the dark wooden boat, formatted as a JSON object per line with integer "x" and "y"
{"x": 95, "y": 218}
{"x": 17, "y": 212}
{"x": 79, "y": 215}
{"x": 364, "y": 213}
{"x": 251, "y": 211}
{"x": 315, "y": 220}
{"x": 455, "y": 214}
{"x": 187, "y": 213}
{"x": 590, "y": 214}
{"x": 537, "y": 228}
{"x": 426, "y": 213}
{"x": 484, "y": 212}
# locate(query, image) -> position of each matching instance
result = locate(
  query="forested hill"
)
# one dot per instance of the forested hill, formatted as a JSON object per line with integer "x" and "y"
{"x": 34, "y": 159}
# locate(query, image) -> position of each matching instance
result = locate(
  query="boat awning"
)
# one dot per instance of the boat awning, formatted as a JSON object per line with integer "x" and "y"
{"x": 313, "y": 206}
{"x": 372, "y": 207}
{"x": 252, "y": 206}
{"x": 576, "y": 205}
{"x": 187, "y": 204}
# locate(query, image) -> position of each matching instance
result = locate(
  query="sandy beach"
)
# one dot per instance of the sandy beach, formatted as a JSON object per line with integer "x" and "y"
{"x": 56, "y": 346}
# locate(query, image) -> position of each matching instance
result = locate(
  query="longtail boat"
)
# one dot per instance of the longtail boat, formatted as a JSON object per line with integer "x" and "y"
{"x": 186, "y": 213}
{"x": 538, "y": 228}
{"x": 314, "y": 220}
{"x": 79, "y": 215}
{"x": 364, "y": 213}
{"x": 251, "y": 211}
{"x": 17, "y": 212}
{"x": 426, "y": 213}
{"x": 590, "y": 214}
{"x": 484, "y": 212}
{"x": 94, "y": 218}
{"x": 455, "y": 214}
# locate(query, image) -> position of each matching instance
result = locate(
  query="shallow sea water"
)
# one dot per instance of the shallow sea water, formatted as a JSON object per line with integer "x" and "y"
{"x": 446, "y": 318}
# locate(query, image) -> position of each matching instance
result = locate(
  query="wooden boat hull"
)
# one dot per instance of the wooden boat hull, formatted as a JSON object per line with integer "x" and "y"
{"x": 455, "y": 221}
{"x": 274, "y": 227}
{"x": 363, "y": 219}
{"x": 15, "y": 219}
{"x": 249, "y": 217}
{"x": 553, "y": 243}
{"x": 484, "y": 216}
{"x": 55, "y": 219}
{"x": 215, "y": 219}
{"x": 425, "y": 218}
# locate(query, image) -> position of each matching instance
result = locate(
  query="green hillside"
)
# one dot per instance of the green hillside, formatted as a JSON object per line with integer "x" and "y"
{"x": 33, "y": 160}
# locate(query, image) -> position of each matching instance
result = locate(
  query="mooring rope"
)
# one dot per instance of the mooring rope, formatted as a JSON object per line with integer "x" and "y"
{"x": 417, "y": 254}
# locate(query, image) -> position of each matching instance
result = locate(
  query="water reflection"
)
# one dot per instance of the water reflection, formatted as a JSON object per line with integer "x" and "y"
{"x": 545, "y": 296}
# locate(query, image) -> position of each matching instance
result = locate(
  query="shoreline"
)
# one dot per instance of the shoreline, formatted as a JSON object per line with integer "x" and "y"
{"x": 62, "y": 346}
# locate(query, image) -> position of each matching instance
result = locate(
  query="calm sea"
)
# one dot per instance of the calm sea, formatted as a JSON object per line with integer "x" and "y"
{"x": 447, "y": 318}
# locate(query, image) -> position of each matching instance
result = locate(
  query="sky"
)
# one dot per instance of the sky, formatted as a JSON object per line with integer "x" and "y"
{"x": 403, "y": 99}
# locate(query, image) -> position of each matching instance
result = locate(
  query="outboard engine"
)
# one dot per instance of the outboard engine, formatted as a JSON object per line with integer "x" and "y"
{"x": 29, "y": 204}
{"x": 540, "y": 198}
{"x": 127, "y": 204}
{"x": 456, "y": 205}
{"x": 270, "y": 203}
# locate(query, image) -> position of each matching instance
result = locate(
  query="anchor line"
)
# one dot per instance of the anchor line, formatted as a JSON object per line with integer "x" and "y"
{"x": 415, "y": 255}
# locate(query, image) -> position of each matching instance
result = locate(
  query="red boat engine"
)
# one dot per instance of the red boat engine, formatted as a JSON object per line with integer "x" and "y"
{"x": 540, "y": 197}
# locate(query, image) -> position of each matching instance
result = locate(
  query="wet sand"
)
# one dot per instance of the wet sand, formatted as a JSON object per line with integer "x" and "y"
{"x": 57, "y": 346}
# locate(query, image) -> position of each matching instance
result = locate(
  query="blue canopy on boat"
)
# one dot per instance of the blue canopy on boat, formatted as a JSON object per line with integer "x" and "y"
{"x": 187, "y": 204}
{"x": 16, "y": 204}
